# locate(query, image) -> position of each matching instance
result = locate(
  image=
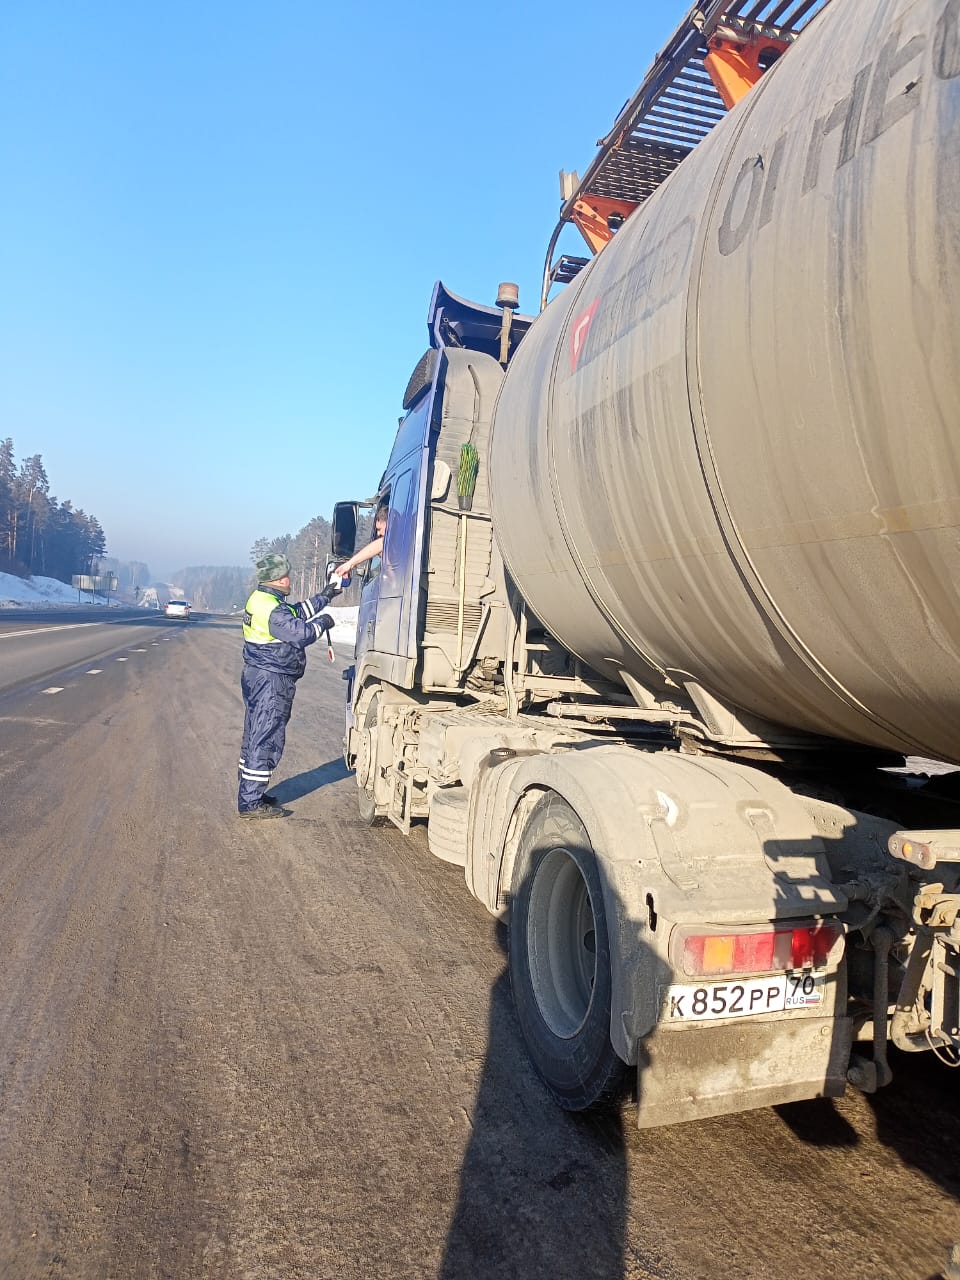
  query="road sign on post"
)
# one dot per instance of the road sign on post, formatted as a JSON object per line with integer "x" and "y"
{"x": 95, "y": 583}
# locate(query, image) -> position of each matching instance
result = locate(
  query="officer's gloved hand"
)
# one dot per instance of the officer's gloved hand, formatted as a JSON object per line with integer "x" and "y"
{"x": 322, "y": 624}
{"x": 332, "y": 589}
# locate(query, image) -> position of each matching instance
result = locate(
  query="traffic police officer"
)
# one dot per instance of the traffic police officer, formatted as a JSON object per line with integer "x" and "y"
{"x": 275, "y": 637}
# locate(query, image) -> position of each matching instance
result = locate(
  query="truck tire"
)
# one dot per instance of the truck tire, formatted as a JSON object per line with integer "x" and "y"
{"x": 560, "y": 959}
{"x": 366, "y": 798}
{"x": 447, "y": 825}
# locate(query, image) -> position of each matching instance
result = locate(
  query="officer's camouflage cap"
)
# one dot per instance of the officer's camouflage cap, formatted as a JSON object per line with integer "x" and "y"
{"x": 273, "y": 567}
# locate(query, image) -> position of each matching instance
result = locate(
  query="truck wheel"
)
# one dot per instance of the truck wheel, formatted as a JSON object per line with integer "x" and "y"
{"x": 367, "y": 766}
{"x": 560, "y": 959}
{"x": 447, "y": 825}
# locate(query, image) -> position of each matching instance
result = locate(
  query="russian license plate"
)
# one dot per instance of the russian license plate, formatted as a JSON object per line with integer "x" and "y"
{"x": 737, "y": 999}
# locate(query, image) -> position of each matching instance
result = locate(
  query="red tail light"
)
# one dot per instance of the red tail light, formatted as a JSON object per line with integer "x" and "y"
{"x": 773, "y": 951}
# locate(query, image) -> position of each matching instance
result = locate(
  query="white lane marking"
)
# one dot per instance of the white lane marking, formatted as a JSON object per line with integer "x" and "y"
{"x": 54, "y": 688}
{"x": 138, "y": 651}
{"x": 36, "y": 631}
{"x": 121, "y": 659}
{"x": 95, "y": 671}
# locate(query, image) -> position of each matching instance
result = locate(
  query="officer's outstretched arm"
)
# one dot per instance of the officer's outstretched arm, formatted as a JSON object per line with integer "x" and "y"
{"x": 285, "y": 626}
{"x": 310, "y": 609}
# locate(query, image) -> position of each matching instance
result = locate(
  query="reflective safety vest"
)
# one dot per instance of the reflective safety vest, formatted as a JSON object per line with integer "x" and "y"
{"x": 256, "y": 617}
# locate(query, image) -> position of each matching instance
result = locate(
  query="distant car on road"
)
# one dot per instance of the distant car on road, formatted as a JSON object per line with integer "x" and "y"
{"x": 177, "y": 609}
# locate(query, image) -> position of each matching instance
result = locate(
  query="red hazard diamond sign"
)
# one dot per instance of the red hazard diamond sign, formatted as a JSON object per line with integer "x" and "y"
{"x": 578, "y": 334}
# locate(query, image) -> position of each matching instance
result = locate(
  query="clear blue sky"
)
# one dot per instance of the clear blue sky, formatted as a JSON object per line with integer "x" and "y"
{"x": 221, "y": 224}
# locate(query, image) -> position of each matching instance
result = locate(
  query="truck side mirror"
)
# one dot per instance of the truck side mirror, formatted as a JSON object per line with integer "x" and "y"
{"x": 344, "y": 536}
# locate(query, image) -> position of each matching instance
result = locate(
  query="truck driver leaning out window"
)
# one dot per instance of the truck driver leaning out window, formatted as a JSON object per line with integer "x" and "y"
{"x": 275, "y": 637}
{"x": 373, "y": 548}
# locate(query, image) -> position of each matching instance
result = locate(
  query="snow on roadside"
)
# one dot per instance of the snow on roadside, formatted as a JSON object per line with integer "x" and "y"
{"x": 39, "y": 592}
{"x": 345, "y": 618}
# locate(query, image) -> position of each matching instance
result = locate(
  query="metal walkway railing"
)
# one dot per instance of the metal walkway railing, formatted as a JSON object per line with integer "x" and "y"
{"x": 675, "y": 107}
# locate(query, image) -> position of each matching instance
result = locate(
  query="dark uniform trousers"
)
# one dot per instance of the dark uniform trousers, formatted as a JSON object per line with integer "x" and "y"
{"x": 268, "y": 702}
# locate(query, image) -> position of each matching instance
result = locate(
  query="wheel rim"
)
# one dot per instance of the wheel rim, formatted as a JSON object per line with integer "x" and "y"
{"x": 367, "y": 747}
{"x": 364, "y": 754}
{"x": 561, "y": 944}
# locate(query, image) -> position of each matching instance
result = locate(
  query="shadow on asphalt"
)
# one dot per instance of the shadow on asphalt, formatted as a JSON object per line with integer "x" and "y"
{"x": 819, "y": 1123}
{"x": 542, "y": 1191}
{"x": 921, "y": 1087}
{"x": 302, "y": 784}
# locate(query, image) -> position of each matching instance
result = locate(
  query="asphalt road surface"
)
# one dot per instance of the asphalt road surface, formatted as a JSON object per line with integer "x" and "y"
{"x": 287, "y": 1050}
{"x": 34, "y": 643}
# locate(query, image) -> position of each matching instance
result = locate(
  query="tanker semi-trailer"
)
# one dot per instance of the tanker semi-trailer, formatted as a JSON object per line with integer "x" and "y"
{"x": 669, "y": 591}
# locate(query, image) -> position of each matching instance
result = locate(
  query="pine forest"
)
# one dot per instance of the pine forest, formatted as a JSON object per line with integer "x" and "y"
{"x": 39, "y": 534}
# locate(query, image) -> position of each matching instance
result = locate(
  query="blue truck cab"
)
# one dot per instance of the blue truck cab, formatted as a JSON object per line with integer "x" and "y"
{"x": 434, "y": 606}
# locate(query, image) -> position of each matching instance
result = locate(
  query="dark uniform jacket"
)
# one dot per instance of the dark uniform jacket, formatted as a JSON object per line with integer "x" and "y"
{"x": 276, "y": 633}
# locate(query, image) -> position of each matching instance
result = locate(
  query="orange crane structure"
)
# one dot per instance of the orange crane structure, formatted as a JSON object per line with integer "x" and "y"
{"x": 716, "y": 55}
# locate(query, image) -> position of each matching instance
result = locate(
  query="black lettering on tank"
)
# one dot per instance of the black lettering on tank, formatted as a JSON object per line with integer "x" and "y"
{"x": 741, "y": 207}
{"x": 883, "y": 110}
{"x": 773, "y": 167}
{"x": 847, "y": 113}
{"x": 946, "y": 42}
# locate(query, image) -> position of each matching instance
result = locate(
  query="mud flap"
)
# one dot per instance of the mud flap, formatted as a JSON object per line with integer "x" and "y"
{"x": 694, "y": 1072}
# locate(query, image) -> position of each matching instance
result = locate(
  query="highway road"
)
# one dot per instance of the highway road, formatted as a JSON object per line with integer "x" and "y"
{"x": 39, "y": 642}
{"x": 287, "y": 1051}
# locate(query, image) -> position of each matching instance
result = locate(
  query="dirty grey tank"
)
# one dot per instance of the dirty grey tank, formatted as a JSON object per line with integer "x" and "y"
{"x": 730, "y": 451}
